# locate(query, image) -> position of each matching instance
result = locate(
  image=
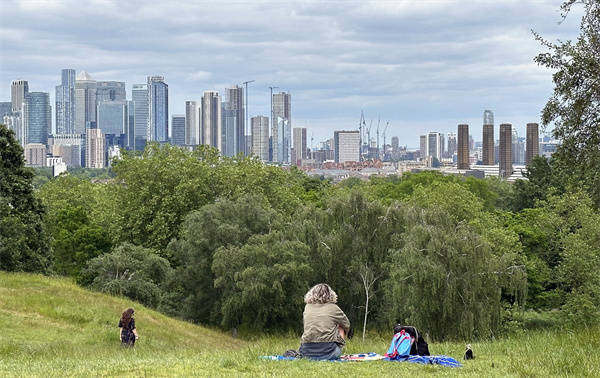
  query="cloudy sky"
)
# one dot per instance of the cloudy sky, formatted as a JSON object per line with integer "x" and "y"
{"x": 423, "y": 65}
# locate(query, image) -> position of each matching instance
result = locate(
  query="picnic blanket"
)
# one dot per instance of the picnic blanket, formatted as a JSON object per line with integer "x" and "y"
{"x": 431, "y": 360}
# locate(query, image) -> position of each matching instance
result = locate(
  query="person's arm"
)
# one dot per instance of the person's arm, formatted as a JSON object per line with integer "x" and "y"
{"x": 133, "y": 329}
{"x": 120, "y": 333}
{"x": 342, "y": 320}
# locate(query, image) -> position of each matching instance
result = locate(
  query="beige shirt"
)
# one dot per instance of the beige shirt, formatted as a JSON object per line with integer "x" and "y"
{"x": 321, "y": 321}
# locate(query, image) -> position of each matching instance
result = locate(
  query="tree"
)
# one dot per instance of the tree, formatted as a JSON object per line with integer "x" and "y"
{"x": 542, "y": 179}
{"x": 24, "y": 243}
{"x": 574, "y": 107}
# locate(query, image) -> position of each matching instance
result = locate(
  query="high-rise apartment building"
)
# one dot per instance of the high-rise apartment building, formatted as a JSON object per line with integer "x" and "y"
{"x": 299, "y": 145}
{"x": 260, "y": 137}
{"x": 18, "y": 91}
{"x": 423, "y": 146}
{"x": 434, "y": 145}
{"x": 14, "y": 122}
{"x": 178, "y": 129}
{"x": 233, "y": 123}
{"x": 35, "y": 154}
{"x": 505, "y": 150}
{"x": 488, "y": 138}
{"x": 281, "y": 119}
{"x": 65, "y": 102}
{"x": 158, "y": 109}
{"x": 192, "y": 124}
{"x": 139, "y": 96}
{"x": 95, "y": 154}
{"x": 68, "y": 146}
{"x": 533, "y": 142}
{"x": 37, "y": 117}
{"x": 346, "y": 146}
{"x": 451, "y": 144}
{"x": 110, "y": 91}
{"x": 112, "y": 117}
{"x": 211, "y": 120}
{"x": 463, "y": 147}
{"x": 5, "y": 108}
{"x": 85, "y": 102}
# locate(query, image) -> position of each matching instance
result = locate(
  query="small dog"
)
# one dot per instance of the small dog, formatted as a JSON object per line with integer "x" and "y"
{"x": 469, "y": 353}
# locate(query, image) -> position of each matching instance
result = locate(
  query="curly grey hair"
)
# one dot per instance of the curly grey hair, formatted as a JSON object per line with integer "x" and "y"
{"x": 320, "y": 293}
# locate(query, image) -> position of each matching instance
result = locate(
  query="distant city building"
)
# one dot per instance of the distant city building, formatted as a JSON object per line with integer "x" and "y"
{"x": 233, "y": 122}
{"x": 70, "y": 147}
{"x": 158, "y": 109}
{"x": 260, "y": 137}
{"x": 434, "y": 145}
{"x": 37, "y": 117}
{"x": 65, "y": 102}
{"x": 211, "y": 120}
{"x": 451, "y": 145}
{"x": 18, "y": 91}
{"x": 488, "y": 138}
{"x": 35, "y": 154}
{"x": 192, "y": 124}
{"x": 139, "y": 96}
{"x": 58, "y": 168}
{"x": 347, "y": 146}
{"x": 85, "y": 102}
{"x": 299, "y": 145}
{"x": 281, "y": 119}
{"x": 110, "y": 91}
{"x": 533, "y": 142}
{"x": 423, "y": 146}
{"x": 463, "y": 147}
{"x": 178, "y": 129}
{"x": 112, "y": 117}
{"x": 505, "y": 168}
{"x": 395, "y": 143}
{"x": 14, "y": 122}
{"x": 130, "y": 132}
{"x": 518, "y": 148}
{"x": 95, "y": 155}
{"x": 5, "y": 108}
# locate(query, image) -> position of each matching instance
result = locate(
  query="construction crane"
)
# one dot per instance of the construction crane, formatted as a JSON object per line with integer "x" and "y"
{"x": 384, "y": 130}
{"x": 378, "y": 121}
{"x": 360, "y": 135}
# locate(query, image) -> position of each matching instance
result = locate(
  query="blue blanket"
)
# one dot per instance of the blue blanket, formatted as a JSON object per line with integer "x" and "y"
{"x": 431, "y": 360}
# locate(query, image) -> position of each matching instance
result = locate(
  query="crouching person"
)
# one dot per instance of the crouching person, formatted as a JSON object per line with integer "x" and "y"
{"x": 325, "y": 325}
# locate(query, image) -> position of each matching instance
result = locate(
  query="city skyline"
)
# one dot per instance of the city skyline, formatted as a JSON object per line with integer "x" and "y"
{"x": 427, "y": 68}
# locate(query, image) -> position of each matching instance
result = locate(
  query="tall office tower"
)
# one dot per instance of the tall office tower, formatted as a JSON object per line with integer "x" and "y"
{"x": 347, "y": 146}
{"x": 505, "y": 150}
{"x": 65, "y": 102}
{"x": 95, "y": 156}
{"x": 463, "y": 147}
{"x": 139, "y": 96}
{"x": 260, "y": 137}
{"x": 423, "y": 146}
{"x": 283, "y": 142}
{"x": 130, "y": 133}
{"x": 85, "y": 102}
{"x": 110, "y": 91}
{"x": 112, "y": 117}
{"x": 18, "y": 91}
{"x": 395, "y": 143}
{"x": 37, "y": 117}
{"x": 233, "y": 127}
{"x": 211, "y": 120}
{"x": 68, "y": 146}
{"x": 434, "y": 145}
{"x": 300, "y": 145}
{"x": 158, "y": 109}
{"x": 488, "y": 144}
{"x": 281, "y": 117}
{"x": 178, "y": 129}
{"x": 518, "y": 148}
{"x": 533, "y": 142}
{"x": 14, "y": 122}
{"x": 451, "y": 144}
{"x": 192, "y": 129}
{"x": 5, "y": 108}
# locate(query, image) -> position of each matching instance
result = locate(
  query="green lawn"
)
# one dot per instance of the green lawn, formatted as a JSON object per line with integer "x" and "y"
{"x": 50, "y": 327}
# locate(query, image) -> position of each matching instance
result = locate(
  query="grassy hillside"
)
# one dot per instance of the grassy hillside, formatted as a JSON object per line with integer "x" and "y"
{"x": 50, "y": 327}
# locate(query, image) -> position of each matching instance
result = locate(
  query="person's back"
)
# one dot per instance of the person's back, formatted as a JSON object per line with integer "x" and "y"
{"x": 127, "y": 330}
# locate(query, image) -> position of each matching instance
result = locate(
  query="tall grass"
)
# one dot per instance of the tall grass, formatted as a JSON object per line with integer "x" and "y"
{"x": 50, "y": 327}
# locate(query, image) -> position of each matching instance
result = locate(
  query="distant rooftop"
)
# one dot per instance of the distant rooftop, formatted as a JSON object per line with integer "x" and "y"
{"x": 84, "y": 76}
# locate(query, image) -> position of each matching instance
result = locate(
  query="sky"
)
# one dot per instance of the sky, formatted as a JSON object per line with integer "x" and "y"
{"x": 422, "y": 66}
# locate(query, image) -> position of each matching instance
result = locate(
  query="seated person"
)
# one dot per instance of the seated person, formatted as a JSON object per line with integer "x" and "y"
{"x": 325, "y": 325}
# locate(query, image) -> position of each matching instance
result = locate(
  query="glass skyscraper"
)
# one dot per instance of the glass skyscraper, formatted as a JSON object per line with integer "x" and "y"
{"x": 112, "y": 117}
{"x": 37, "y": 117}
{"x": 139, "y": 97}
{"x": 178, "y": 129}
{"x": 158, "y": 109}
{"x": 85, "y": 102}
{"x": 65, "y": 103}
{"x": 110, "y": 91}
{"x": 233, "y": 123}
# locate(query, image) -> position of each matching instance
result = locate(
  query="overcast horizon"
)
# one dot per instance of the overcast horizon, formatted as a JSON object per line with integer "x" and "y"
{"x": 421, "y": 65}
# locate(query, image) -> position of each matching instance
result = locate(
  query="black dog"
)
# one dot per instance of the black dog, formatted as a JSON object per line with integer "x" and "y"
{"x": 469, "y": 353}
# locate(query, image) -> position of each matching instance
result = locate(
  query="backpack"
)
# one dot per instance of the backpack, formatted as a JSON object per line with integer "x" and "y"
{"x": 419, "y": 346}
{"x": 400, "y": 346}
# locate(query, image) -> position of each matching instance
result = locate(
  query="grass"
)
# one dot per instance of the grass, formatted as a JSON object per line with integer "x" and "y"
{"x": 50, "y": 327}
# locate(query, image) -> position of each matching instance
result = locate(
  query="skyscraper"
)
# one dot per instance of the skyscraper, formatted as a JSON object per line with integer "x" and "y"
{"x": 110, "y": 91}
{"x": 346, "y": 146}
{"x": 139, "y": 96}
{"x": 14, "y": 122}
{"x": 95, "y": 156}
{"x": 505, "y": 150}
{"x": 451, "y": 144}
{"x": 300, "y": 145}
{"x": 533, "y": 142}
{"x": 85, "y": 102}
{"x": 158, "y": 109}
{"x": 260, "y": 137}
{"x": 281, "y": 119}
{"x": 65, "y": 102}
{"x": 5, "y": 108}
{"x": 192, "y": 129}
{"x": 211, "y": 120}
{"x": 18, "y": 91}
{"x": 233, "y": 121}
{"x": 434, "y": 145}
{"x": 463, "y": 147}
{"x": 488, "y": 138}
{"x": 37, "y": 117}
{"x": 178, "y": 129}
{"x": 112, "y": 117}
{"x": 423, "y": 146}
